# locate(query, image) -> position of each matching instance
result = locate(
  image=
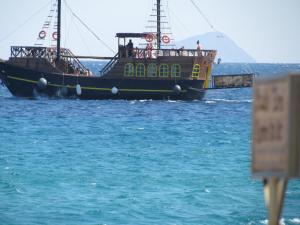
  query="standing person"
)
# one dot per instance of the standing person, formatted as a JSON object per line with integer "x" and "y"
{"x": 199, "y": 48}
{"x": 149, "y": 48}
{"x": 130, "y": 48}
{"x": 180, "y": 51}
{"x": 136, "y": 53}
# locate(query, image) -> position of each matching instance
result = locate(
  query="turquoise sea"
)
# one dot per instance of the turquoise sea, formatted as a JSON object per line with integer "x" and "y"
{"x": 143, "y": 162}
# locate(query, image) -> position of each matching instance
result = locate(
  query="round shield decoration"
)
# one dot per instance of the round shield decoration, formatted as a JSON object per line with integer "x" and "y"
{"x": 42, "y": 34}
{"x": 149, "y": 37}
{"x": 166, "y": 39}
{"x": 54, "y": 35}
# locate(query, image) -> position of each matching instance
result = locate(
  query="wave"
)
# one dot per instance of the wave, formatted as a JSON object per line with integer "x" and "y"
{"x": 281, "y": 222}
{"x": 141, "y": 100}
{"x": 206, "y": 190}
{"x": 295, "y": 220}
{"x": 173, "y": 101}
{"x": 19, "y": 191}
{"x": 211, "y": 101}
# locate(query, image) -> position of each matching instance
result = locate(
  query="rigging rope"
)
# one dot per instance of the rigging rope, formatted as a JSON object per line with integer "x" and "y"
{"x": 82, "y": 39}
{"x": 168, "y": 20}
{"x": 26, "y": 21}
{"x": 89, "y": 29}
{"x": 46, "y": 25}
{"x": 179, "y": 21}
{"x": 202, "y": 14}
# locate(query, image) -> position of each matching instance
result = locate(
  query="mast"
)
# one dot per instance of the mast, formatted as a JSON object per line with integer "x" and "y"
{"x": 58, "y": 30}
{"x": 158, "y": 23}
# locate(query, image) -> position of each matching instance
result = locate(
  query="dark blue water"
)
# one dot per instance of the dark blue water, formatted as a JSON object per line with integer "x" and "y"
{"x": 132, "y": 162}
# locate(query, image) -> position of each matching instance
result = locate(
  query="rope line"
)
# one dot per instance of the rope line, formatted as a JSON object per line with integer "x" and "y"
{"x": 89, "y": 29}
{"x": 26, "y": 21}
{"x": 82, "y": 39}
{"x": 203, "y": 15}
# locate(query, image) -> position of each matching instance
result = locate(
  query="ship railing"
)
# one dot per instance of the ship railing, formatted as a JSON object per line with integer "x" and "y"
{"x": 110, "y": 64}
{"x": 154, "y": 53}
{"x": 183, "y": 52}
{"x": 49, "y": 54}
{"x": 72, "y": 60}
{"x": 28, "y": 52}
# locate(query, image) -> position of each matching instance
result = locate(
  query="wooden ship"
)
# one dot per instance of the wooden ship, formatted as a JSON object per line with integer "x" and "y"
{"x": 133, "y": 73}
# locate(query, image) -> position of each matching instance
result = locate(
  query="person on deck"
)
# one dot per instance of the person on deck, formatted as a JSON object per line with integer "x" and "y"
{"x": 130, "y": 48}
{"x": 149, "y": 48}
{"x": 136, "y": 53}
{"x": 199, "y": 48}
{"x": 180, "y": 51}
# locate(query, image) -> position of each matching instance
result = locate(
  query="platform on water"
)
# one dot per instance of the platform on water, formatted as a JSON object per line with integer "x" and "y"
{"x": 232, "y": 81}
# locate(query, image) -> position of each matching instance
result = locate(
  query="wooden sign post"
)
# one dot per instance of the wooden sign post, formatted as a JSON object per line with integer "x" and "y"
{"x": 276, "y": 138}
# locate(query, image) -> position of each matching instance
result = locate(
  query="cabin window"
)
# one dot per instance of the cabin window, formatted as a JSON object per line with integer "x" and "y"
{"x": 129, "y": 70}
{"x": 152, "y": 70}
{"x": 140, "y": 70}
{"x": 176, "y": 70}
{"x": 196, "y": 71}
{"x": 164, "y": 70}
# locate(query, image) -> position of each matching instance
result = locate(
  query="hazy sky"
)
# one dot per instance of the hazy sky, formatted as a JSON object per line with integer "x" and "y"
{"x": 266, "y": 29}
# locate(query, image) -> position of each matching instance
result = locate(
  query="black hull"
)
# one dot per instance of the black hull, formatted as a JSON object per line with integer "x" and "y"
{"x": 23, "y": 83}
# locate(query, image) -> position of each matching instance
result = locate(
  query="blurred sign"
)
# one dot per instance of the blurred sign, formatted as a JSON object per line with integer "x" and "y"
{"x": 276, "y": 127}
{"x": 233, "y": 81}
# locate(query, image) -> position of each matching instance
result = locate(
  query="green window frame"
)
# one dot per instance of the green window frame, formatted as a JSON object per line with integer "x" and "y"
{"x": 164, "y": 70}
{"x": 196, "y": 70}
{"x": 152, "y": 70}
{"x": 129, "y": 70}
{"x": 140, "y": 70}
{"x": 176, "y": 70}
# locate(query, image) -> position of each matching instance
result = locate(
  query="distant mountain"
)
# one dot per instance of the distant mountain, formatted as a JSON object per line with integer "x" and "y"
{"x": 227, "y": 49}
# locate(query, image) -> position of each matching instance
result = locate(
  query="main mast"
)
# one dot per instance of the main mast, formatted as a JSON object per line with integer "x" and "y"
{"x": 58, "y": 30}
{"x": 158, "y": 24}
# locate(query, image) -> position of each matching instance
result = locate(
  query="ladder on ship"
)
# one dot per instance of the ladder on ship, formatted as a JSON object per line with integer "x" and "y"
{"x": 109, "y": 65}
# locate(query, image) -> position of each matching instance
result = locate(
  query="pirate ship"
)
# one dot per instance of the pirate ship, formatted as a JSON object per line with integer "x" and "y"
{"x": 149, "y": 72}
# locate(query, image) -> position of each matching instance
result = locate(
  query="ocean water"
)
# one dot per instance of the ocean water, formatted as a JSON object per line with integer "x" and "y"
{"x": 134, "y": 162}
{"x": 260, "y": 69}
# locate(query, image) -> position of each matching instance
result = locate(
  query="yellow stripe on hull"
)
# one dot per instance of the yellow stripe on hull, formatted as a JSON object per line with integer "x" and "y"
{"x": 94, "y": 88}
{"x": 207, "y": 77}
